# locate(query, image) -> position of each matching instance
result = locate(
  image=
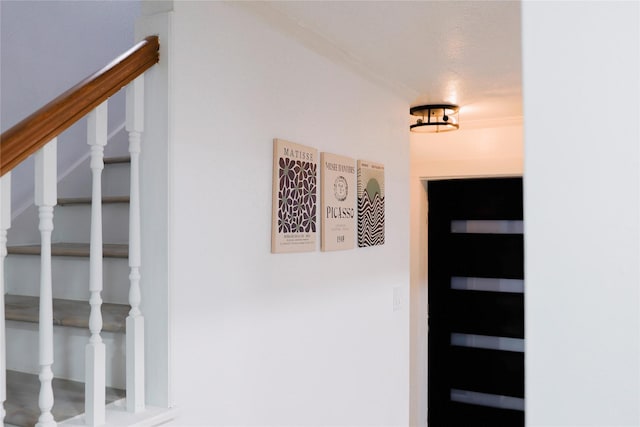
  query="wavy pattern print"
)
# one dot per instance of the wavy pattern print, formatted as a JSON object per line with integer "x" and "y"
{"x": 370, "y": 220}
{"x": 370, "y": 204}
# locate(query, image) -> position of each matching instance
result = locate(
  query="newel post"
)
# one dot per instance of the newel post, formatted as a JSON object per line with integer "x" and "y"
{"x": 46, "y": 198}
{"x": 95, "y": 356}
{"x": 135, "y": 320}
{"x": 5, "y": 224}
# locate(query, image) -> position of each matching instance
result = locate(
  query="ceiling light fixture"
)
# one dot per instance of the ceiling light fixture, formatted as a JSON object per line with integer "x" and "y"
{"x": 435, "y": 118}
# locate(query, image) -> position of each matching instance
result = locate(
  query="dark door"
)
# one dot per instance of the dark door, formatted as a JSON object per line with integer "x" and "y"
{"x": 476, "y": 303}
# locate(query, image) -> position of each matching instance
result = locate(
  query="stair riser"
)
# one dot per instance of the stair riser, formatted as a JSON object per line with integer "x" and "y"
{"x": 72, "y": 223}
{"x": 70, "y": 277}
{"x": 69, "y": 352}
{"x": 115, "y": 181}
{"x": 78, "y": 182}
{"x": 24, "y": 229}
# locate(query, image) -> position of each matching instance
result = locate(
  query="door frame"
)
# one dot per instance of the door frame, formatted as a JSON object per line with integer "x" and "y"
{"x": 419, "y": 290}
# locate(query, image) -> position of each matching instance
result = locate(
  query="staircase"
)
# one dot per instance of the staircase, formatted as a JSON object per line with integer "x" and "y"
{"x": 71, "y": 330}
{"x": 71, "y": 307}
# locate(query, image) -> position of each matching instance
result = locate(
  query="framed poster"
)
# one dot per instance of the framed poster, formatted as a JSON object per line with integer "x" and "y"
{"x": 295, "y": 172}
{"x": 338, "y": 197}
{"x": 370, "y": 204}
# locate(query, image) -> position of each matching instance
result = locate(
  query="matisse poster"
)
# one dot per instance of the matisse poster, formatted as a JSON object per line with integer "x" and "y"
{"x": 370, "y": 204}
{"x": 294, "y": 220}
{"x": 338, "y": 212}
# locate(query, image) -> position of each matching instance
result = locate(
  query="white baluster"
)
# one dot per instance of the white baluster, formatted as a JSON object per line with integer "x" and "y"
{"x": 46, "y": 199}
{"x": 135, "y": 320}
{"x": 5, "y": 224}
{"x": 95, "y": 358}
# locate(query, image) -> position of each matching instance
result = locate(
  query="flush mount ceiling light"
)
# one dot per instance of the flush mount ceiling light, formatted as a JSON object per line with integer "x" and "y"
{"x": 435, "y": 118}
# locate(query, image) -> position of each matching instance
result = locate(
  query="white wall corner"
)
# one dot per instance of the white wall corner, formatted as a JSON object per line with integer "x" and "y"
{"x": 155, "y": 202}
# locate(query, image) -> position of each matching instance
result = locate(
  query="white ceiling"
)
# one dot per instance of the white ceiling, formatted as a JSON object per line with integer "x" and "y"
{"x": 464, "y": 52}
{"x": 425, "y": 51}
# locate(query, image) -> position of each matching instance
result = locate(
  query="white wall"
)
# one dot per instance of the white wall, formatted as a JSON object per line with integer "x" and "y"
{"x": 581, "y": 102}
{"x": 489, "y": 149}
{"x": 258, "y": 338}
{"x": 494, "y": 147}
{"x": 46, "y": 47}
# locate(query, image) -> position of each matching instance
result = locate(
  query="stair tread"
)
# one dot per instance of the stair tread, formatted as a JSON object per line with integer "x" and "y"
{"x": 72, "y": 249}
{"x": 121, "y": 159}
{"x": 87, "y": 200}
{"x": 22, "y": 398}
{"x": 66, "y": 312}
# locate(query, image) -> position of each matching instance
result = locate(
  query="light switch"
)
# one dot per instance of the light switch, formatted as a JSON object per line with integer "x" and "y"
{"x": 397, "y": 298}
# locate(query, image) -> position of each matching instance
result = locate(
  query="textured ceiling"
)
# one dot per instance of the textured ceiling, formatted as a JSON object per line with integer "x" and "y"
{"x": 427, "y": 51}
{"x": 466, "y": 52}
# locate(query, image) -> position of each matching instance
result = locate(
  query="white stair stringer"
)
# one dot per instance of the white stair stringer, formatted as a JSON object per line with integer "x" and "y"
{"x": 68, "y": 344}
{"x": 118, "y": 416}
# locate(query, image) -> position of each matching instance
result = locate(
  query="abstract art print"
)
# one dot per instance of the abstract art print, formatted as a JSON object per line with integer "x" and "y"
{"x": 294, "y": 220}
{"x": 338, "y": 174}
{"x": 370, "y": 204}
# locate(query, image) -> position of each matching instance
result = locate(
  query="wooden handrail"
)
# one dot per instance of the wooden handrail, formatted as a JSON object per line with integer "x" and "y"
{"x": 35, "y": 131}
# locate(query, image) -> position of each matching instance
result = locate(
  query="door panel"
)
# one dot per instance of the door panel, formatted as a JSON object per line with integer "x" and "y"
{"x": 486, "y": 255}
{"x": 484, "y": 416}
{"x": 483, "y": 313}
{"x": 476, "y": 303}
{"x": 475, "y": 369}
